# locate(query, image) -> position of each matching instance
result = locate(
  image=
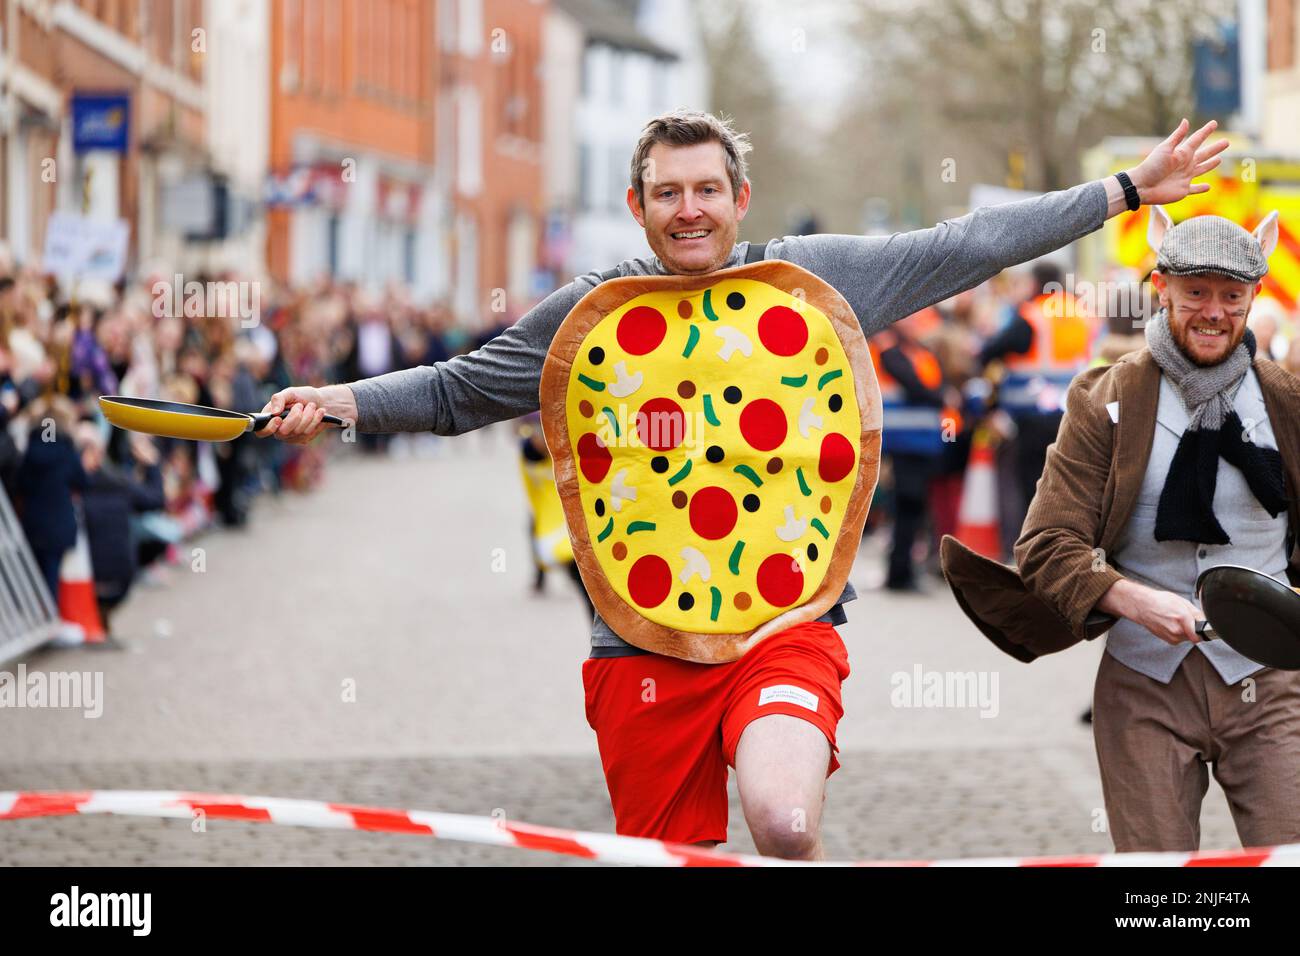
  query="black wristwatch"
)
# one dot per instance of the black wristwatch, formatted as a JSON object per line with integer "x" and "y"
{"x": 1131, "y": 197}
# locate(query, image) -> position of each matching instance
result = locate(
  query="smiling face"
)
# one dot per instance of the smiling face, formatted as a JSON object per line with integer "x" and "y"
{"x": 691, "y": 215}
{"x": 1207, "y": 313}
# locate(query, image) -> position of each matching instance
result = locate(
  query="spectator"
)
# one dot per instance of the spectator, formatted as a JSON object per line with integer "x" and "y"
{"x": 112, "y": 340}
{"x": 1292, "y": 361}
{"x": 11, "y": 401}
{"x": 113, "y": 494}
{"x": 374, "y": 352}
{"x": 50, "y": 472}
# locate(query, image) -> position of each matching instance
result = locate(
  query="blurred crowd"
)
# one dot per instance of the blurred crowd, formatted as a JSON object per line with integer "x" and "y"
{"x": 963, "y": 382}
{"x": 138, "y": 497}
{"x": 988, "y": 370}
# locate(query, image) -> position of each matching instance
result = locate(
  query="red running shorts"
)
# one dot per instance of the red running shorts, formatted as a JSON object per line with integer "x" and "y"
{"x": 667, "y": 729}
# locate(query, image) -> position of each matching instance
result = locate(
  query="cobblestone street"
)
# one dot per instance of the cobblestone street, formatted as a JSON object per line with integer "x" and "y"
{"x": 377, "y": 642}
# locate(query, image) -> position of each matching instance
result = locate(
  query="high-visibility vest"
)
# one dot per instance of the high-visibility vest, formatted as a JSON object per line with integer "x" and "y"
{"x": 911, "y": 429}
{"x": 1037, "y": 380}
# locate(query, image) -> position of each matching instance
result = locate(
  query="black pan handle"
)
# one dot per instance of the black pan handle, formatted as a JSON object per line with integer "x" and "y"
{"x": 1203, "y": 628}
{"x": 260, "y": 421}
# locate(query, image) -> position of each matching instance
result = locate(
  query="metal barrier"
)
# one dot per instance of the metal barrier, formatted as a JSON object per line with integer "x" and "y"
{"x": 29, "y": 615}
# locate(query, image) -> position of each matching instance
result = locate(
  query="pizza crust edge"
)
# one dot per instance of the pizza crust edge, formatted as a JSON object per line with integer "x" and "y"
{"x": 625, "y": 620}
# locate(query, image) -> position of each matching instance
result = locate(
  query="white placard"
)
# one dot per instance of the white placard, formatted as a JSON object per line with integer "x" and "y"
{"x": 80, "y": 248}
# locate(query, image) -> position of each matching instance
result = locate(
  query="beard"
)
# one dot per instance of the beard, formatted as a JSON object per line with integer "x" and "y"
{"x": 1182, "y": 332}
{"x": 701, "y": 261}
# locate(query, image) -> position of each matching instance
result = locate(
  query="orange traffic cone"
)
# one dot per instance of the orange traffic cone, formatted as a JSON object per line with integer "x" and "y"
{"x": 77, "y": 604}
{"x": 977, "y": 517}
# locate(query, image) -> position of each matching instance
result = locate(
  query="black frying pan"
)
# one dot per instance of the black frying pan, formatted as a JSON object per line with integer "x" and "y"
{"x": 1257, "y": 616}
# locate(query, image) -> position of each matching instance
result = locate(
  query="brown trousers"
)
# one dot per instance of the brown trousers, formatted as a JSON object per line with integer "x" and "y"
{"x": 1155, "y": 741}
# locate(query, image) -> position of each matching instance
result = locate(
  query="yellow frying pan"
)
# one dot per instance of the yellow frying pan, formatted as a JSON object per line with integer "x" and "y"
{"x": 178, "y": 420}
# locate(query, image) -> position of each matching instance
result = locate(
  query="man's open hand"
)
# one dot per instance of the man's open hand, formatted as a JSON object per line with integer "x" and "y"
{"x": 1166, "y": 175}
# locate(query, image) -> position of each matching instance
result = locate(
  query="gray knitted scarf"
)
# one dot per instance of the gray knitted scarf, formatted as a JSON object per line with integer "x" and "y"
{"x": 1214, "y": 431}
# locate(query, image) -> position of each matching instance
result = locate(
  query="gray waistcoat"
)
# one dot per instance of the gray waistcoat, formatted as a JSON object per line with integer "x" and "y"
{"x": 1258, "y": 541}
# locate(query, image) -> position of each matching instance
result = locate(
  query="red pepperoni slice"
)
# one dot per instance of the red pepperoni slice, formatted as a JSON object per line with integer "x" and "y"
{"x": 780, "y": 580}
{"x": 661, "y": 424}
{"x": 713, "y": 513}
{"x": 763, "y": 424}
{"x": 641, "y": 330}
{"x": 649, "y": 580}
{"x": 593, "y": 458}
{"x": 837, "y": 458}
{"x": 782, "y": 330}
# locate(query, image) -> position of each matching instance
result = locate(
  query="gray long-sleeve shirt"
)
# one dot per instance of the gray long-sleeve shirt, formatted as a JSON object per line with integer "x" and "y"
{"x": 884, "y": 279}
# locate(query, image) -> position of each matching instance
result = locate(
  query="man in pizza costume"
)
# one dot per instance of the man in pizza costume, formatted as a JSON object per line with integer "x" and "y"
{"x": 1175, "y": 459}
{"x": 715, "y": 426}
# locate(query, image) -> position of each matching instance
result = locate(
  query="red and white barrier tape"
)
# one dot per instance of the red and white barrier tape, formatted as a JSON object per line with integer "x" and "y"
{"x": 601, "y": 847}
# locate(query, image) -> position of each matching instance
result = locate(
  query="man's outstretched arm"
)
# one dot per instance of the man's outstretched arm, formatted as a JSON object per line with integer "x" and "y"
{"x": 496, "y": 382}
{"x": 886, "y": 278}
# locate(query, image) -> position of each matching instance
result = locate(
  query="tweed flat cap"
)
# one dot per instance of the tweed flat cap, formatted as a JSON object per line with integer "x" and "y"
{"x": 1211, "y": 244}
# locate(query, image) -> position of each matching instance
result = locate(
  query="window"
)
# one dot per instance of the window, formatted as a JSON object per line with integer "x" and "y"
{"x": 469, "y": 141}
{"x": 401, "y": 32}
{"x": 311, "y": 45}
{"x": 447, "y": 24}
{"x": 332, "y": 48}
{"x": 291, "y": 32}
{"x": 515, "y": 77}
{"x": 414, "y": 32}
{"x": 618, "y": 177}
{"x": 1282, "y": 27}
{"x": 471, "y": 27}
{"x": 383, "y": 45}
{"x": 583, "y": 191}
{"x": 616, "y": 64}
{"x": 660, "y": 85}
{"x": 360, "y": 31}
{"x": 332, "y": 243}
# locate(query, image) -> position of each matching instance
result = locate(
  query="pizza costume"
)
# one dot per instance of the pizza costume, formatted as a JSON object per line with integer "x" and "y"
{"x": 716, "y": 442}
{"x": 552, "y": 549}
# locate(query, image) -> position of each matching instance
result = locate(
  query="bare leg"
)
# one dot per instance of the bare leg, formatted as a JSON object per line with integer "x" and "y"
{"x": 781, "y": 764}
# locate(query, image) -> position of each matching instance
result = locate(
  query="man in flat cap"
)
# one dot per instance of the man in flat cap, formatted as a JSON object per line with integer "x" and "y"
{"x": 1182, "y": 456}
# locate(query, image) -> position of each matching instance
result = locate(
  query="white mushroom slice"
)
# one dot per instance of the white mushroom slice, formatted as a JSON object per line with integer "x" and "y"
{"x": 733, "y": 341}
{"x": 696, "y": 563}
{"x": 794, "y": 528}
{"x": 620, "y": 491}
{"x": 808, "y": 418}
{"x": 624, "y": 384}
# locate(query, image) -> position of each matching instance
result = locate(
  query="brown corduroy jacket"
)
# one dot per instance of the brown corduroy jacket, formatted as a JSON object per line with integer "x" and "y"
{"x": 1085, "y": 497}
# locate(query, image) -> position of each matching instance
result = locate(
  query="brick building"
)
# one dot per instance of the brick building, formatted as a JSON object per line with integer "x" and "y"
{"x": 1281, "y": 114}
{"x": 353, "y": 111}
{"x": 145, "y": 54}
{"x": 492, "y": 137}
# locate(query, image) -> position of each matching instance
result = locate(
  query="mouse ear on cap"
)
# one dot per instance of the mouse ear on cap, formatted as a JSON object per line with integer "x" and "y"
{"x": 1159, "y": 224}
{"x": 1266, "y": 233}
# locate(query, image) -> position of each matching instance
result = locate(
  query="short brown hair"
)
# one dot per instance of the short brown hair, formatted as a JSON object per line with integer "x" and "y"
{"x": 686, "y": 128}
